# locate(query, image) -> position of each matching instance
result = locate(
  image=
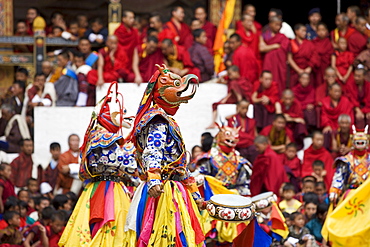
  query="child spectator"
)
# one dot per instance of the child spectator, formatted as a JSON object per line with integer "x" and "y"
{"x": 56, "y": 32}
{"x": 83, "y": 24}
{"x": 33, "y": 187}
{"x": 288, "y": 222}
{"x": 289, "y": 204}
{"x": 319, "y": 171}
{"x": 23, "y": 195}
{"x": 298, "y": 233}
{"x": 308, "y": 185}
{"x": 292, "y": 165}
{"x": 55, "y": 230}
{"x": 73, "y": 198}
{"x": 315, "y": 225}
{"x": 97, "y": 34}
{"x": 11, "y": 204}
{"x": 321, "y": 192}
{"x": 62, "y": 202}
{"x": 206, "y": 141}
{"x": 21, "y": 28}
{"x": 11, "y": 235}
{"x": 34, "y": 233}
{"x": 310, "y": 202}
{"x": 40, "y": 204}
{"x": 72, "y": 33}
{"x": 6, "y": 186}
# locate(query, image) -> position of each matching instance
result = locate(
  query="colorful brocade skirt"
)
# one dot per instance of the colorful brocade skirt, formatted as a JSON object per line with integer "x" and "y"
{"x": 99, "y": 217}
{"x": 172, "y": 219}
{"x": 221, "y": 232}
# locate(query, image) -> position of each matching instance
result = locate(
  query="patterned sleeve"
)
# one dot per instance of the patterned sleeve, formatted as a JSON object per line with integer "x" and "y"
{"x": 339, "y": 178}
{"x": 244, "y": 179}
{"x": 153, "y": 152}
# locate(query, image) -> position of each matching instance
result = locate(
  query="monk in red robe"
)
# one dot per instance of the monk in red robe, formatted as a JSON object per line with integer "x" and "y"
{"x": 247, "y": 132}
{"x": 249, "y": 9}
{"x": 179, "y": 28}
{"x": 268, "y": 171}
{"x": 324, "y": 49}
{"x": 330, "y": 77}
{"x": 304, "y": 93}
{"x": 112, "y": 64}
{"x": 342, "y": 29}
{"x": 244, "y": 58}
{"x": 264, "y": 96}
{"x": 178, "y": 59}
{"x": 359, "y": 90}
{"x": 278, "y": 134}
{"x": 292, "y": 110}
{"x": 250, "y": 37}
{"x": 128, "y": 36}
{"x": 317, "y": 151}
{"x": 155, "y": 21}
{"x": 70, "y": 157}
{"x": 149, "y": 55}
{"x": 358, "y": 40}
{"x": 341, "y": 140}
{"x": 291, "y": 160}
{"x": 200, "y": 13}
{"x": 302, "y": 56}
{"x": 274, "y": 48}
{"x": 332, "y": 106}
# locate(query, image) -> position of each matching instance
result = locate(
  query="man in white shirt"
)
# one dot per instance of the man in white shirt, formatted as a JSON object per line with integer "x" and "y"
{"x": 286, "y": 29}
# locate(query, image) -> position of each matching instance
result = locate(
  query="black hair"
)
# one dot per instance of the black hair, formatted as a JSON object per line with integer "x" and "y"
{"x": 8, "y": 215}
{"x": 47, "y": 213}
{"x": 277, "y": 11}
{"x": 22, "y": 70}
{"x": 322, "y": 208}
{"x": 55, "y": 13}
{"x": 72, "y": 22}
{"x": 125, "y": 12}
{"x": 34, "y": 8}
{"x": 54, "y": 146}
{"x": 175, "y": 8}
{"x": 152, "y": 39}
{"x": 11, "y": 202}
{"x": 39, "y": 74}
{"x": 3, "y": 165}
{"x": 58, "y": 215}
{"x": 72, "y": 196}
{"x": 292, "y": 145}
{"x": 234, "y": 68}
{"x": 311, "y": 197}
{"x": 22, "y": 204}
{"x": 97, "y": 20}
{"x": 197, "y": 32}
{"x": 21, "y": 190}
{"x": 25, "y": 140}
{"x": 21, "y": 84}
{"x": 317, "y": 184}
{"x": 167, "y": 42}
{"x": 318, "y": 163}
{"x": 317, "y": 132}
{"x": 39, "y": 199}
{"x": 298, "y": 26}
{"x": 150, "y": 31}
{"x": 280, "y": 115}
{"x": 288, "y": 186}
{"x": 265, "y": 71}
{"x": 64, "y": 54}
{"x": 31, "y": 179}
{"x": 236, "y": 36}
{"x": 78, "y": 54}
{"x": 20, "y": 21}
{"x": 243, "y": 100}
{"x": 59, "y": 201}
{"x": 308, "y": 178}
{"x": 207, "y": 141}
{"x": 58, "y": 27}
{"x": 157, "y": 15}
{"x": 83, "y": 38}
{"x": 294, "y": 215}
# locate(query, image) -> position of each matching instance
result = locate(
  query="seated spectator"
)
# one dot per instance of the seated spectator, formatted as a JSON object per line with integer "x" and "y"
{"x": 292, "y": 110}
{"x": 310, "y": 202}
{"x": 343, "y": 30}
{"x": 322, "y": 193}
{"x": 200, "y": 55}
{"x": 56, "y": 32}
{"x": 66, "y": 87}
{"x": 32, "y": 13}
{"x": 292, "y": 164}
{"x": 304, "y": 93}
{"x": 200, "y": 14}
{"x": 358, "y": 91}
{"x": 278, "y": 134}
{"x": 112, "y": 64}
{"x": 268, "y": 172}
{"x": 62, "y": 202}
{"x": 15, "y": 131}
{"x": 23, "y": 195}
{"x": 332, "y": 106}
{"x": 51, "y": 172}
{"x": 289, "y": 204}
{"x": 248, "y": 130}
{"x": 21, "y": 30}
{"x": 86, "y": 91}
{"x": 238, "y": 88}
{"x": 358, "y": 40}
{"x": 84, "y": 46}
{"x": 178, "y": 28}
{"x": 23, "y": 166}
{"x": 317, "y": 151}
{"x": 33, "y": 187}
{"x": 195, "y": 24}
{"x": 40, "y": 204}
{"x": 17, "y": 96}
{"x": 83, "y": 24}
{"x": 315, "y": 225}
{"x": 362, "y": 58}
{"x": 11, "y": 234}
{"x": 319, "y": 172}
{"x": 156, "y": 22}
{"x": 264, "y": 96}
{"x": 97, "y": 33}
{"x": 322, "y": 91}
{"x": 6, "y": 186}
{"x": 72, "y": 32}
{"x": 25, "y": 219}
{"x": 11, "y": 204}
{"x": 41, "y": 93}
{"x": 298, "y": 233}
{"x": 308, "y": 185}
{"x": 55, "y": 230}
{"x": 33, "y": 235}
{"x": 57, "y": 20}
{"x": 341, "y": 138}
{"x": 206, "y": 141}
{"x": 149, "y": 55}
{"x": 178, "y": 59}
{"x": 195, "y": 152}
{"x": 47, "y": 69}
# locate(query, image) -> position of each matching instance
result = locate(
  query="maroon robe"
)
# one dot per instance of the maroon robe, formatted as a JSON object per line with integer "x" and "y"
{"x": 349, "y": 32}
{"x": 184, "y": 57}
{"x": 321, "y": 92}
{"x": 129, "y": 39}
{"x": 304, "y": 55}
{"x": 357, "y": 43}
{"x": 324, "y": 49}
{"x": 51, "y": 176}
{"x": 268, "y": 173}
{"x": 310, "y": 155}
{"x": 294, "y": 164}
{"x": 276, "y": 60}
{"x": 210, "y": 30}
{"x": 184, "y": 33}
{"x": 266, "y": 132}
{"x": 360, "y": 99}
{"x": 64, "y": 180}
{"x": 343, "y": 62}
{"x": 21, "y": 170}
{"x": 8, "y": 189}
{"x": 245, "y": 59}
{"x": 330, "y": 114}
{"x": 239, "y": 25}
{"x": 251, "y": 40}
{"x": 306, "y": 96}
{"x": 148, "y": 61}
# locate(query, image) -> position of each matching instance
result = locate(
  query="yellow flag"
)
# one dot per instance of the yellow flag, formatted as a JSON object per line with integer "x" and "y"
{"x": 349, "y": 223}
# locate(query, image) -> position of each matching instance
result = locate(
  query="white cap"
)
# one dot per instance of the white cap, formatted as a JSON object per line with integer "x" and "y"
{"x": 45, "y": 188}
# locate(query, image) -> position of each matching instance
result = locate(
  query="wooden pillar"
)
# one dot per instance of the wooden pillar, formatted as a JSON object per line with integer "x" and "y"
{"x": 114, "y": 15}
{"x": 6, "y": 29}
{"x": 215, "y": 11}
{"x": 39, "y": 50}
